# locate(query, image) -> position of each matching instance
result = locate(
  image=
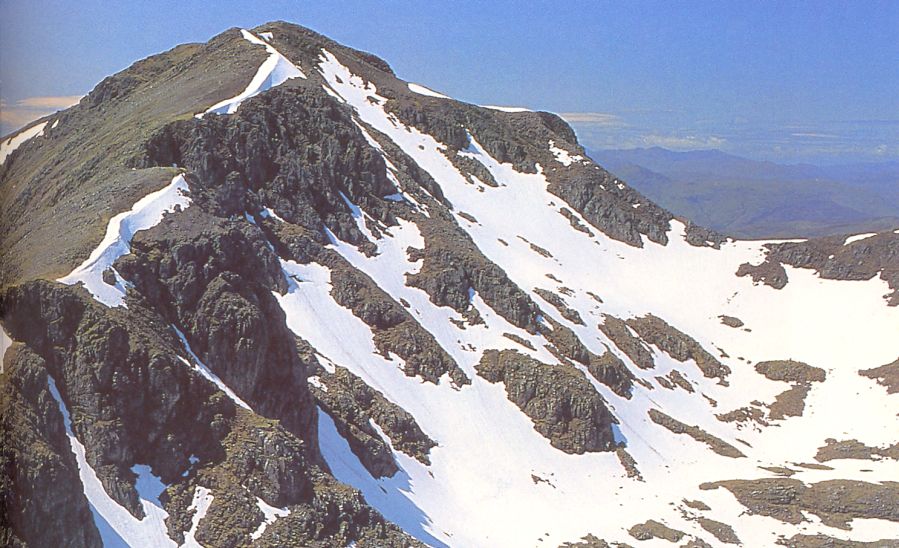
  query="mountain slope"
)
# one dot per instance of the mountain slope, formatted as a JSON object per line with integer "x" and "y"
{"x": 332, "y": 308}
{"x": 755, "y": 199}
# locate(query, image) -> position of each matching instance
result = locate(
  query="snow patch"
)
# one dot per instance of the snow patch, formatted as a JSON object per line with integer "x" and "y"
{"x": 316, "y": 381}
{"x": 5, "y": 343}
{"x": 563, "y": 156}
{"x": 421, "y": 90}
{"x": 271, "y": 515}
{"x": 144, "y": 214}
{"x": 8, "y": 146}
{"x": 197, "y": 364}
{"x": 269, "y": 212}
{"x": 859, "y": 237}
{"x": 200, "y": 505}
{"x": 273, "y": 72}
{"x": 506, "y": 109}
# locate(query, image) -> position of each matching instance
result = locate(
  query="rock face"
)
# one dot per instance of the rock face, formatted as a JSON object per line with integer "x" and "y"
{"x": 559, "y": 399}
{"x": 36, "y": 460}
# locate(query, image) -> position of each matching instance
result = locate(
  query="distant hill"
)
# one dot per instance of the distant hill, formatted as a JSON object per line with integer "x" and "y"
{"x": 753, "y": 199}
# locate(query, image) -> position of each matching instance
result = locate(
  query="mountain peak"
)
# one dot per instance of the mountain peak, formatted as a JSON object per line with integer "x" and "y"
{"x": 266, "y": 292}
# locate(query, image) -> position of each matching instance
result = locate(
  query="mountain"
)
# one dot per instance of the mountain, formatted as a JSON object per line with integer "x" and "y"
{"x": 752, "y": 199}
{"x": 261, "y": 291}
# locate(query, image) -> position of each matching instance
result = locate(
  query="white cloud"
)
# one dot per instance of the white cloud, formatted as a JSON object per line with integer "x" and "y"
{"x": 593, "y": 118}
{"x": 816, "y": 135}
{"x": 687, "y": 142}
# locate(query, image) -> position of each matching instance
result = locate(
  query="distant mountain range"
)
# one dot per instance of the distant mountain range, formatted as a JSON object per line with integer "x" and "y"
{"x": 752, "y": 199}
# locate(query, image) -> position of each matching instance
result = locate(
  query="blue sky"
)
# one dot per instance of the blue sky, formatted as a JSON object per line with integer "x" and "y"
{"x": 785, "y": 81}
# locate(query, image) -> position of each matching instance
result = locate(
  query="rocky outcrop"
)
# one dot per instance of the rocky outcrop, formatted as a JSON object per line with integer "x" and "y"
{"x": 213, "y": 278}
{"x": 700, "y": 236}
{"x": 131, "y": 399}
{"x": 134, "y": 400}
{"x": 768, "y": 273}
{"x": 823, "y": 541}
{"x": 835, "y": 502}
{"x": 607, "y": 368}
{"x": 590, "y": 541}
{"x": 790, "y": 403}
{"x": 886, "y": 375}
{"x": 651, "y": 529}
{"x": 394, "y": 329}
{"x": 790, "y": 371}
{"x": 607, "y": 204}
{"x": 558, "y": 398}
{"x": 258, "y": 463}
{"x": 715, "y": 444}
{"x": 515, "y": 138}
{"x": 854, "y": 449}
{"x": 731, "y": 321}
{"x": 354, "y": 405}
{"x": 721, "y": 531}
{"x": 617, "y": 331}
{"x": 293, "y": 149}
{"x": 678, "y": 345}
{"x": 559, "y": 303}
{"x": 452, "y": 265}
{"x": 610, "y": 370}
{"x": 833, "y": 259}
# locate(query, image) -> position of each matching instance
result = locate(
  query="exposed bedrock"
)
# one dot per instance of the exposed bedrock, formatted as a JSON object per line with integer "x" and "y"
{"x": 564, "y": 406}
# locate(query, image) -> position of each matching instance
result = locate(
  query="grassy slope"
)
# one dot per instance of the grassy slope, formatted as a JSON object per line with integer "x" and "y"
{"x": 64, "y": 186}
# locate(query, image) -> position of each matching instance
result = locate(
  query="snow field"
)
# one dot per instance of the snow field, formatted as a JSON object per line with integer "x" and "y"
{"x": 689, "y": 287}
{"x": 200, "y": 505}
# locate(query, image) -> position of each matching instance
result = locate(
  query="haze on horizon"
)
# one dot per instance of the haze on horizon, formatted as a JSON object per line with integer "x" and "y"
{"x": 772, "y": 81}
